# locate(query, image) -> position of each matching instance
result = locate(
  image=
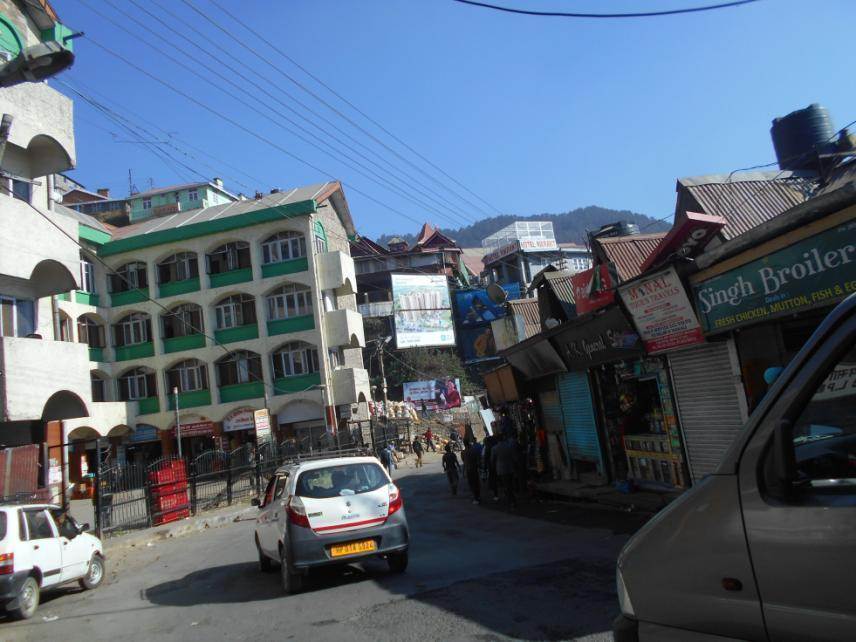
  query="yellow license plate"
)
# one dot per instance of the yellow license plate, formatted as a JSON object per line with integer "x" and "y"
{"x": 351, "y": 548}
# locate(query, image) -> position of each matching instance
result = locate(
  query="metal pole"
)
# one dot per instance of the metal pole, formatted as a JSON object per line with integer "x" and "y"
{"x": 383, "y": 380}
{"x": 98, "y": 499}
{"x": 177, "y": 420}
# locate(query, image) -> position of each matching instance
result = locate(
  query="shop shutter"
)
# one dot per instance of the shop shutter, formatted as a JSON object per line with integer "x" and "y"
{"x": 580, "y": 426}
{"x": 710, "y": 400}
{"x": 551, "y": 410}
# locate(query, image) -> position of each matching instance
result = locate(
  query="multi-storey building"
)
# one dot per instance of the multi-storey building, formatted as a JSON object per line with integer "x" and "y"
{"x": 224, "y": 309}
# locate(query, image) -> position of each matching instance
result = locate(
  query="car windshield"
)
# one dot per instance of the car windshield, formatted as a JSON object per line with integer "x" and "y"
{"x": 335, "y": 481}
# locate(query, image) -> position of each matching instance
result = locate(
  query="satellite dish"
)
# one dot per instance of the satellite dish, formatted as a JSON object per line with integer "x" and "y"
{"x": 36, "y": 63}
{"x": 496, "y": 294}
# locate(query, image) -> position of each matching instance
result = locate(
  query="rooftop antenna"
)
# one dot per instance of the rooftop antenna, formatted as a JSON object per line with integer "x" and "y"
{"x": 132, "y": 189}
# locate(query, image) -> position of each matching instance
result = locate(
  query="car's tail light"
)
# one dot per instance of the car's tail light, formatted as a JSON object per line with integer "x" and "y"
{"x": 396, "y": 501}
{"x": 7, "y": 563}
{"x": 296, "y": 512}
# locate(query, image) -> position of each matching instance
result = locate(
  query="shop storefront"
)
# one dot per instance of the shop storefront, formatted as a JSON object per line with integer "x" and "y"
{"x": 630, "y": 400}
{"x": 196, "y": 438}
{"x": 238, "y": 428}
{"x": 143, "y": 445}
{"x": 770, "y": 299}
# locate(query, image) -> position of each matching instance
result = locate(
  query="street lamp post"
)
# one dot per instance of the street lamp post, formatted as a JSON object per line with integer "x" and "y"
{"x": 177, "y": 420}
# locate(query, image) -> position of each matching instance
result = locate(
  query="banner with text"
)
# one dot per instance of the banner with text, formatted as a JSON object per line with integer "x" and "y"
{"x": 437, "y": 394}
{"x": 422, "y": 311}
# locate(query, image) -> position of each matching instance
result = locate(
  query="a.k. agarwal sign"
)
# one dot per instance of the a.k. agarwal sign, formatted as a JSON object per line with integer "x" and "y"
{"x": 814, "y": 272}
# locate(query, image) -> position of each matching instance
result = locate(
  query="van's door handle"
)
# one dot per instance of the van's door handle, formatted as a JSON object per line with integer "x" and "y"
{"x": 35, "y": 547}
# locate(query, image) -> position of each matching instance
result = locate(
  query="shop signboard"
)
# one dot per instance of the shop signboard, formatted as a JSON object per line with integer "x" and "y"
{"x": 687, "y": 238}
{"x": 661, "y": 312}
{"x": 261, "y": 419}
{"x": 143, "y": 433}
{"x": 422, "y": 311}
{"x": 239, "y": 419}
{"x": 438, "y": 394}
{"x": 594, "y": 288}
{"x": 474, "y": 307}
{"x": 596, "y": 340}
{"x": 194, "y": 429}
{"x": 815, "y": 272}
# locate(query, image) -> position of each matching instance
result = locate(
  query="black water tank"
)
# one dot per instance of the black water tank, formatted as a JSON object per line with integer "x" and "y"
{"x": 798, "y": 135}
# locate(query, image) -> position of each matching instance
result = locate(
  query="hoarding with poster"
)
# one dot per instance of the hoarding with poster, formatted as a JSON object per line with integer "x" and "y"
{"x": 594, "y": 288}
{"x": 477, "y": 344}
{"x": 474, "y": 307}
{"x": 661, "y": 312}
{"x": 422, "y": 311}
{"x": 262, "y": 422}
{"x": 438, "y": 394}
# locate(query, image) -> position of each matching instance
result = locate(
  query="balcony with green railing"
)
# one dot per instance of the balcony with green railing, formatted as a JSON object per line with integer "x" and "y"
{"x": 96, "y": 354}
{"x": 238, "y": 333}
{"x": 296, "y": 383}
{"x": 180, "y": 344}
{"x": 242, "y": 391}
{"x": 291, "y": 266}
{"x": 86, "y": 298}
{"x": 241, "y": 275}
{"x": 129, "y": 296}
{"x": 174, "y": 288}
{"x": 137, "y": 351}
{"x": 192, "y": 399}
{"x": 148, "y": 406}
{"x": 294, "y": 324}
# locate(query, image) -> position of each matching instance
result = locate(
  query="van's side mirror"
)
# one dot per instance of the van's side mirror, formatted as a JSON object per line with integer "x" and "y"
{"x": 782, "y": 463}
{"x": 255, "y": 502}
{"x": 84, "y": 528}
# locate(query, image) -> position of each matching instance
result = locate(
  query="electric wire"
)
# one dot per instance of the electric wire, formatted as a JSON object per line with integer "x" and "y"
{"x": 637, "y": 14}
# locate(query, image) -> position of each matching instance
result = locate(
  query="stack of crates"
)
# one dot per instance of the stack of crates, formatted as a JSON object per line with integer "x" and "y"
{"x": 170, "y": 501}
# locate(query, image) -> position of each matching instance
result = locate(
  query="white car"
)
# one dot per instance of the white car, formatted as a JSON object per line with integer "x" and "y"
{"x": 40, "y": 548}
{"x": 330, "y": 511}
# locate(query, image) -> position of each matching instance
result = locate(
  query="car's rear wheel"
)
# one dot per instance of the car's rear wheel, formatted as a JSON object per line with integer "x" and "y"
{"x": 291, "y": 582}
{"x": 27, "y": 601}
{"x": 95, "y": 575}
{"x": 265, "y": 563}
{"x": 397, "y": 562}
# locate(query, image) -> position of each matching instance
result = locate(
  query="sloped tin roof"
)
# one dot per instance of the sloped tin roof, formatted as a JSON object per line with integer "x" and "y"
{"x": 628, "y": 253}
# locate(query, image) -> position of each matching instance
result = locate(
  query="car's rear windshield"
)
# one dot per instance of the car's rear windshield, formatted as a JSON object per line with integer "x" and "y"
{"x": 2, "y": 526}
{"x": 346, "y": 479}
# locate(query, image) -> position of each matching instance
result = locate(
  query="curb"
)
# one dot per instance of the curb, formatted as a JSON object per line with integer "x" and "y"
{"x": 184, "y": 527}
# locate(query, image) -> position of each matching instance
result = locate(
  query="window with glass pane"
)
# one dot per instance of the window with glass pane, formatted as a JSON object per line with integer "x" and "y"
{"x": 187, "y": 376}
{"x": 182, "y": 321}
{"x": 193, "y": 195}
{"x": 90, "y": 332}
{"x": 239, "y": 367}
{"x": 295, "y": 358}
{"x": 178, "y": 267}
{"x": 99, "y": 390}
{"x": 132, "y": 330}
{"x": 228, "y": 257}
{"x": 7, "y": 316}
{"x": 289, "y": 301}
{"x": 129, "y": 277}
{"x": 283, "y": 246}
{"x": 87, "y": 275}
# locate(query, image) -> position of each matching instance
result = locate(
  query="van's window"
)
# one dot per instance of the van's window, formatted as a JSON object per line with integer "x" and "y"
{"x": 281, "y": 482}
{"x": 2, "y": 526}
{"x": 825, "y": 431}
{"x": 39, "y": 524}
{"x": 333, "y": 481}
{"x": 269, "y": 492}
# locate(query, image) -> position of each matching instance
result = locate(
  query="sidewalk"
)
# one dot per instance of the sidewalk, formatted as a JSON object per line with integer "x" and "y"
{"x": 647, "y": 501}
{"x": 193, "y": 524}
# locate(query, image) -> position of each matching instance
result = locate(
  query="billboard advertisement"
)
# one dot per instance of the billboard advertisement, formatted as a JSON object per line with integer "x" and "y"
{"x": 594, "y": 288}
{"x": 422, "y": 311}
{"x": 477, "y": 343}
{"x": 438, "y": 394}
{"x": 474, "y": 307}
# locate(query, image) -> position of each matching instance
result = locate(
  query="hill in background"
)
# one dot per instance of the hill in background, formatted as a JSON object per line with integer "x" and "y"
{"x": 570, "y": 227}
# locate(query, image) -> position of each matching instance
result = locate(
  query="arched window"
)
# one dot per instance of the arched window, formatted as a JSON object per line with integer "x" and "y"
{"x": 282, "y": 247}
{"x": 90, "y": 332}
{"x": 178, "y": 267}
{"x": 133, "y": 329}
{"x": 129, "y": 277}
{"x": 187, "y": 376}
{"x": 320, "y": 238}
{"x": 182, "y": 321}
{"x": 228, "y": 257}
{"x": 137, "y": 383}
{"x": 295, "y": 358}
{"x": 87, "y": 275}
{"x": 240, "y": 366}
{"x": 289, "y": 301}
{"x": 235, "y": 310}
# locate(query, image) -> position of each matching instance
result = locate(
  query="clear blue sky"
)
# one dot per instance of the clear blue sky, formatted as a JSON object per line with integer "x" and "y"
{"x": 533, "y": 114}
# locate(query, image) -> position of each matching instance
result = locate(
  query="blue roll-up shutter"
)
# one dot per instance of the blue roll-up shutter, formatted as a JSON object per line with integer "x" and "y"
{"x": 580, "y": 426}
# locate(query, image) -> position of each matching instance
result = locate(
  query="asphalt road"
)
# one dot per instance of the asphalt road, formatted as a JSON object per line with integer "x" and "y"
{"x": 476, "y": 573}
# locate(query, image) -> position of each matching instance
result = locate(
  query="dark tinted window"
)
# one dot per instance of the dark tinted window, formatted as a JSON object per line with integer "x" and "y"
{"x": 2, "y": 526}
{"x": 334, "y": 481}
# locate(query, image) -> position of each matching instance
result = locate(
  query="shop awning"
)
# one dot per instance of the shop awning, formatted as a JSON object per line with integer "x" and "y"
{"x": 599, "y": 338}
{"x": 535, "y": 357}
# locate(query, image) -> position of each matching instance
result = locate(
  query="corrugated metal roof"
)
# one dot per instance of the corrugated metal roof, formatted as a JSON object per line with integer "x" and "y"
{"x": 527, "y": 309}
{"x": 840, "y": 176}
{"x": 86, "y": 219}
{"x": 629, "y": 252}
{"x": 285, "y": 197}
{"x": 560, "y": 283}
{"x": 746, "y": 201}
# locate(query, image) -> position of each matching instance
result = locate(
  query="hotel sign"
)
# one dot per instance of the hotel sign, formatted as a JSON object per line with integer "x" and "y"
{"x": 815, "y": 272}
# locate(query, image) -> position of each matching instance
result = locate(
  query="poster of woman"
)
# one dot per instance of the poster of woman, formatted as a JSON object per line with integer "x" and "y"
{"x": 438, "y": 394}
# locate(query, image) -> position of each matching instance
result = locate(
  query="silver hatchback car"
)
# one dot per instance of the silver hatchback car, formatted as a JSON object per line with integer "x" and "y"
{"x": 330, "y": 511}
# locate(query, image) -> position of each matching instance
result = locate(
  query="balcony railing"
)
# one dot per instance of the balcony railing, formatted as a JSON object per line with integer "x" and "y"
{"x": 241, "y": 275}
{"x": 294, "y": 324}
{"x": 192, "y": 399}
{"x": 239, "y": 333}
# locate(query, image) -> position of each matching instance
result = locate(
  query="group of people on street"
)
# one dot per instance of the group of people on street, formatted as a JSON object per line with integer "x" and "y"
{"x": 496, "y": 460}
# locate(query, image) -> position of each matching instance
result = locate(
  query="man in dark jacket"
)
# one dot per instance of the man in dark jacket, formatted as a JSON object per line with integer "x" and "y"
{"x": 504, "y": 456}
{"x": 471, "y": 457}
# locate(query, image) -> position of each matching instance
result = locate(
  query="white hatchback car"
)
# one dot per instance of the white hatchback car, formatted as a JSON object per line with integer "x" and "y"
{"x": 41, "y": 547}
{"x": 330, "y": 511}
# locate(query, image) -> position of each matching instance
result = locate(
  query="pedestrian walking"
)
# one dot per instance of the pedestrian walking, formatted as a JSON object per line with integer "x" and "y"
{"x": 429, "y": 437}
{"x": 504, "y": 455}
{"x": 451, "y": 466}
{"x": 387, "y": 458}
{"x": 471, "y": 457}
{"x": 417, "y": 450}
{"x": 424, "y": 410}
{"x": 492, "y": 481}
